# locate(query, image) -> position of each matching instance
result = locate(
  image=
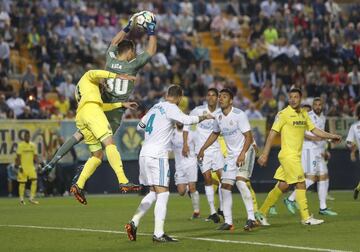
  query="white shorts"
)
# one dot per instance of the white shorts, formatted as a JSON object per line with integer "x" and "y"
{"x": 154, "y": 171}
{"x": 231, "y": 170}
{"x": 313, "y": 162}
{"x": 186, "y": 172}
{"x": 213, "y": 160}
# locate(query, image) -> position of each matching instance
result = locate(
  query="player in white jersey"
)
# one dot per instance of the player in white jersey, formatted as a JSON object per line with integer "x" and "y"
{"x": 158, "y": 124}
{"x": 314, "y": 157}
{"x": 213, "y": 159}
{"x": 353, "y": 142}
{"x": 235, "y": 127}
{"x": 186, "y": 167}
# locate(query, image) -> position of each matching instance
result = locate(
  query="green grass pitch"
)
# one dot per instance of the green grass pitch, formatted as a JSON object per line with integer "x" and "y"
{"x": 110, "y": 213}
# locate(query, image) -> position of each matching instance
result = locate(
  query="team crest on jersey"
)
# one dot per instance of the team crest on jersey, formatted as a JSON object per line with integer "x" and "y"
{"x": 220, "y": 117}
{"x": 231, "y": 122}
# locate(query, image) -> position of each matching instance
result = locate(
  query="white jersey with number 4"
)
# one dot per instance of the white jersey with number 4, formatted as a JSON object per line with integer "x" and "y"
{"x": 204, "y": 129}
{"x": 158, "y": 124}
{"x": 319, "y": 122}
{"x": 354, "y": 134}
{"x": 232, "y": 127}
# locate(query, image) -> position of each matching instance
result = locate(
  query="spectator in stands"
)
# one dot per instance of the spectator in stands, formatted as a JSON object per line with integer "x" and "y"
{"x": 58, "y": 78}
{"x": 240, "y": 101}
{"x": 4, "y": 53}
{"x": 4, "y": 108}
{"x": 213, "y": 9}
{"x": 92, "y": 30}
{"x": 63, "y": 104}
{"x": 4, "y": 17}
{"x": 9, "y": 34}
{"x": 29, "y": 76}
{"x": 271, "y": 34}
{"x": 27, "y": 114}
{"x": 253, "y": 10}
{"x": 236, "y": 56}
{"x": 269, "y": 7}
{"x": 76, "y": 32}
{"x": 257, "y": 80}
{"x": 16, "y": 104}
{"x": 253, "y": 113}
{"x": 354, "y": 79}
{"x": 67, "y": 88}
{"x": 201, "y": 18}
{"x": 107, "y": 31}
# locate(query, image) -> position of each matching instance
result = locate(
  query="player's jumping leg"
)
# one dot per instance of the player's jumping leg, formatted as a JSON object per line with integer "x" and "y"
{"x": 76, "y": 138}
{"x": 114, "y": 159}
{"x": 89, "y": 168}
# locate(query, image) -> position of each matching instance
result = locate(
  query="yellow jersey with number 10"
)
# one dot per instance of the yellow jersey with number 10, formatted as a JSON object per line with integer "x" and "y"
{"x": 87, "y": 89}
{"x": 292, "y": 126}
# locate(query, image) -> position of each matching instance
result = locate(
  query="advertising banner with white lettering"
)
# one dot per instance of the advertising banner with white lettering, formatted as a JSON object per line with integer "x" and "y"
{"x": 45, "y": 135}
{"x": 48, "y": 136}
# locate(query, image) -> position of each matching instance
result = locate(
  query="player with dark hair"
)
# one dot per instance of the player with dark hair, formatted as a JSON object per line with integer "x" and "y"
{"x": 291, "y": 123}
{"x": 213, "y": 159}
{"x": 121, "y": 58}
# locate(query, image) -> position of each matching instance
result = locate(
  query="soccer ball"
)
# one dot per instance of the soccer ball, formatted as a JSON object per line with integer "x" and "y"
{"x": 144, "y": 17}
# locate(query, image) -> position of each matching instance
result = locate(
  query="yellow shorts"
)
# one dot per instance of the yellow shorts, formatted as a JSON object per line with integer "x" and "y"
{"x": 290, "y": 170}
{"x": 93, "y": 124}
{"x": 26, "y": 174}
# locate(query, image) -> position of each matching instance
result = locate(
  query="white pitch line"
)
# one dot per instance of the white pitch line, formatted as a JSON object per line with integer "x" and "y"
{"x": 183, "y": 237}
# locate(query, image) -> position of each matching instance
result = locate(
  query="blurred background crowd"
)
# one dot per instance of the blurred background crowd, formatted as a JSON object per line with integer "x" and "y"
{"x": 259, "y": 49}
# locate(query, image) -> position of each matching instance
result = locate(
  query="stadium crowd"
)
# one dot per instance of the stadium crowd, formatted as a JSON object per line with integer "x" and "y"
{"x": 314, "y": 45}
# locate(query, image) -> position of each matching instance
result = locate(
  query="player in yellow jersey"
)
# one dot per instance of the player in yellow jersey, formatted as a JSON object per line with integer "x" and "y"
{"x": 291, "y": 123}
{"x": 93, "y": 124}
{"x": 26, "y": 156}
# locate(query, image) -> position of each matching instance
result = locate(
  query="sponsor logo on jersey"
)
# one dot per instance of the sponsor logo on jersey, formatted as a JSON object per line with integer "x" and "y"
{"x": 299, "y": 123}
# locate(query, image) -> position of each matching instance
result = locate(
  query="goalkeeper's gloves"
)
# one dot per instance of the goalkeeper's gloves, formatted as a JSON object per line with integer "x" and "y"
{"x": 150, "y": 28}
{"x": 129, "y": 25}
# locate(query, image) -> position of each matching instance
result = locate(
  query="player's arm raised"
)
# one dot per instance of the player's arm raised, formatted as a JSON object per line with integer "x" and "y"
{"x": 120, "y": 36}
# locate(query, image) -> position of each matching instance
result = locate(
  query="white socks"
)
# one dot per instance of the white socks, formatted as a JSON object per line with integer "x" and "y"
{"x": 160, "y": 213}
{"x": 144, "y": 206}
{"x": 308, "y": 183}
{"x": 195, "y": 200}
{"x": 246, "y": 196}
{"x": 227, "y": 205}
{"x": 220, "y": 198}
{"x": 209, "y": 191}
{"x": 323, "y": 187}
